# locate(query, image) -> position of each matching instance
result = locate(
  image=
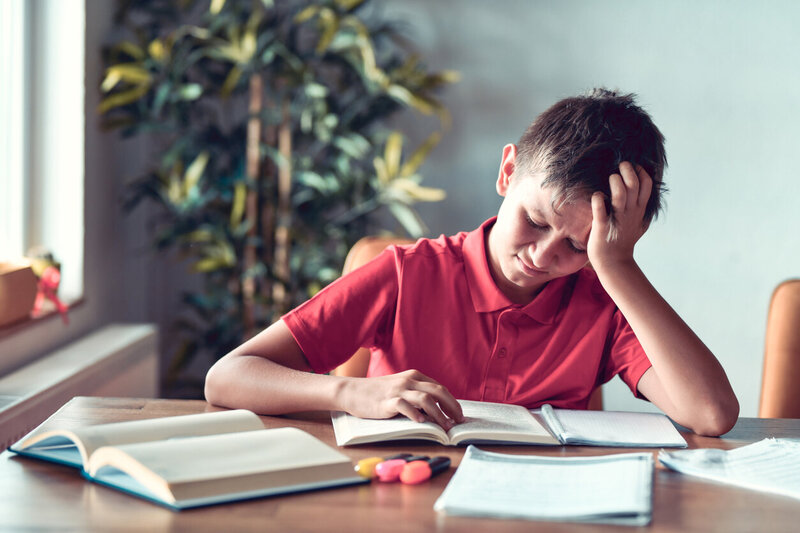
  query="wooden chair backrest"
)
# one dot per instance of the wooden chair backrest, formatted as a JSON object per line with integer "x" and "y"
{"x": 780, "y": 383}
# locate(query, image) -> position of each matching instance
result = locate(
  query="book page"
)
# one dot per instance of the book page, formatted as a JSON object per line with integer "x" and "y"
{"x": 770, "y": 465}
{"x": 611, "y": 488}
{"x": 612, "y": 428}
{"x": 93, "y": 437}
{"x": 350, "y": 429}
{"x": 497, "y": 421}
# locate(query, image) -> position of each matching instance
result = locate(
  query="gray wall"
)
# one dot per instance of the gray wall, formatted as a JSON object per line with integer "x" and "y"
{"x": 720, "y": 78}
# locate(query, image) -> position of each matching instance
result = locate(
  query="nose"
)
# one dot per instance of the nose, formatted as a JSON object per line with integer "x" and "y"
{"x": 543, "y": 253}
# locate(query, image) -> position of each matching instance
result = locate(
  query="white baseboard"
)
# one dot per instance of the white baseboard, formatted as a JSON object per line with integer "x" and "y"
{"x": 118, "y": 360}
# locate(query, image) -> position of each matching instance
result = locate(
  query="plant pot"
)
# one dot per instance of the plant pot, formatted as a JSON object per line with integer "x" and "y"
{"x": 17, "y": 292}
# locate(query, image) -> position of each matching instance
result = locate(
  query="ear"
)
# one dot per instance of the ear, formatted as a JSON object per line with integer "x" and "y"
{"x": 507, "y": 167}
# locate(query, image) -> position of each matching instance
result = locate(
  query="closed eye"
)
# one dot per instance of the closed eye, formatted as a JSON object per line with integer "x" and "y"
{"x": 534, "y": 224}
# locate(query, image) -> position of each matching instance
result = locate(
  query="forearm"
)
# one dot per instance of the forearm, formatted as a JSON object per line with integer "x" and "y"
{"x": 265, "y": 387}
{"x": 692, "y": 386}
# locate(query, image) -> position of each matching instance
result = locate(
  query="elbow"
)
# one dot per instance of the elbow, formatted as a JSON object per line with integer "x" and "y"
{"x": 718, "y": 419}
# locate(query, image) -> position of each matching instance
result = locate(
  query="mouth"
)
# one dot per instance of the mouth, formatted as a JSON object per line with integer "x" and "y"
{"x": 528, "y": 269}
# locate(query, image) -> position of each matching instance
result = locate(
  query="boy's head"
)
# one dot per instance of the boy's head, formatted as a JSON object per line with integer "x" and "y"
{"x": 579, "y": 142}
{"x": 542, "y": 228}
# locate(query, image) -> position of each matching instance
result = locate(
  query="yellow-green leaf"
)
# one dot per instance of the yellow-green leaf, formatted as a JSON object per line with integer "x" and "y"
{"x": 131, "y": 49}
{"x": 216, "y": 6}
{"x": 111, "y": 80}
{"x": 380, "y": 170}
{"x": 230, "y": 82}
{"x": 194, "y": 172}
{"x": 348, "y": 5}
{"x": 392, "y": 153}
{"x": 123, "y": 98}
{"x": 330, "y": 26}
{"x": 417, "y": 192}
{"x": 306, "y": 14}
{"x": 157, "y": 50}
{"x": 239, "y": 201}
{"x": 416, "y": 159}
{"x": 130, "y": 72}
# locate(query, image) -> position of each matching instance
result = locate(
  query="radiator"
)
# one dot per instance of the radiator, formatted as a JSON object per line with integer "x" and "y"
{"x": 117, "y": 360}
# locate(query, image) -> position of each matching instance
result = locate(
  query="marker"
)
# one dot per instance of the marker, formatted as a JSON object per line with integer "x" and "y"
{"x": 389, "y": 471}
{"x": 415, "y": 472}
{"x": 366, "y": 467}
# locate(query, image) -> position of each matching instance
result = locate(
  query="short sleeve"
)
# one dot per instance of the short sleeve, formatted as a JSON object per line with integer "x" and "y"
{"x": 355, "y": 311}
{"x": 626, "y": 356}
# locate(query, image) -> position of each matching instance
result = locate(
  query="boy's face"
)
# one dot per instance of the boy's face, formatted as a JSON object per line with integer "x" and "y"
{"x": 531, "y": 244}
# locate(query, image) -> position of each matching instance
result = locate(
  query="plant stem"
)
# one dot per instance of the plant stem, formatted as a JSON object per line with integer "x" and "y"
{"x": 253, "y": 162}
{"x": 284, "y": 215}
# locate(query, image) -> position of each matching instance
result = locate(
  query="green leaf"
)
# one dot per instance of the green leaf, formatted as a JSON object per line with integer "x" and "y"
{"x": 190, "y": 91}
{"x": 194, "y": 173}
{"x": 407, "y": 218}
{"x": 316, "y": 90}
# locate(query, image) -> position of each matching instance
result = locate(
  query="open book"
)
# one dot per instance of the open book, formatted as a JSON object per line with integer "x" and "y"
{"x": 193, "y": 460}
{"x": 615, "y": 489}
{"x": 498, "y": 423}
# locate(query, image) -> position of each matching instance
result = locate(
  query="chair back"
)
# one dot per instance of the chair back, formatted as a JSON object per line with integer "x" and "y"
{"x": 780, "y": 382}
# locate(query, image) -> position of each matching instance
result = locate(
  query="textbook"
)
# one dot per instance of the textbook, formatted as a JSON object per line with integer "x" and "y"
{"x": 195, "y": 460}
{"x": 497, "y": 423}
{"x": 608, "y": 489}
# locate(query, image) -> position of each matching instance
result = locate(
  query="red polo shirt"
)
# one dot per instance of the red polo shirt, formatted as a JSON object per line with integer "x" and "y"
{"x": 434, "y": 306}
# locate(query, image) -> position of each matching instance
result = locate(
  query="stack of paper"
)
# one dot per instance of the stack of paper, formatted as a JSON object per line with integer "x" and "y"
{"x": 770, "y": 465}
{"x": 613, "y": 489}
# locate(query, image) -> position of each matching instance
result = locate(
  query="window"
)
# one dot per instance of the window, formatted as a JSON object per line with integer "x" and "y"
{"x": 42, "y": 133}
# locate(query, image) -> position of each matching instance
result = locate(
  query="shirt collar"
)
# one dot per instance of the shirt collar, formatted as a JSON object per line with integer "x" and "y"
{"x": 487, "y": 297}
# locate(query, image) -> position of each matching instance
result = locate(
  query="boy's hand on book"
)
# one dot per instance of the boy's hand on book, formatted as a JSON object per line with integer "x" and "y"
{"x": 614, "y": 234}
{"x": 409, "y": 393}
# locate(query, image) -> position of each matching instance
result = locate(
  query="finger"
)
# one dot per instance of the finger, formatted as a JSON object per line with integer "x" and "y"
{"x": 619, "y": 194}
{"x": 645, "y": 186}
{"x": 426, "y": 404}
{"x": 405, "y": 408}
{"x": 446, "y": 401}
{"x": 631, "y": 181}
{"x": 599, "y": 213}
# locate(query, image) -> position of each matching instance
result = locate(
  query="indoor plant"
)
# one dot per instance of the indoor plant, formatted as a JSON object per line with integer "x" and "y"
{"x": 273, "y": 146}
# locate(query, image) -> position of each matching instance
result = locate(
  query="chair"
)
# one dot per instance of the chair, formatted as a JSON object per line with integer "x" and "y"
{"x": 780, "y": 384}
{"x": 361, "y": 253}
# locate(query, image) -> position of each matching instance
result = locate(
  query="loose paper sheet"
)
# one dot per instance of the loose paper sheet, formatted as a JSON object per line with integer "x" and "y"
{"x": 770, "y": 465}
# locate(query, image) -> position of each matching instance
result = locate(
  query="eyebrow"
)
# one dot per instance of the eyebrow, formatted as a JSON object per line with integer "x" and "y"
{"x": 574, "y": 239}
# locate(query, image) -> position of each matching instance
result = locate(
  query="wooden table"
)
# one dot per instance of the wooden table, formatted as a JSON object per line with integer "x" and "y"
{"x": 36, "y": 496}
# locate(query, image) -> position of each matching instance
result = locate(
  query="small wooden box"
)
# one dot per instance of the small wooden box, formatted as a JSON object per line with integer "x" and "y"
{"x": 18, "y": 287}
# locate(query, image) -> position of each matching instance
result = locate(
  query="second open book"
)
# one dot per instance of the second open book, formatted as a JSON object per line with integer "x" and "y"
{"x": 513, "y": 424}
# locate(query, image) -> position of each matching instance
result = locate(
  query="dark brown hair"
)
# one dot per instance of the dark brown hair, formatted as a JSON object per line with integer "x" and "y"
{"x": 580, "y": 141}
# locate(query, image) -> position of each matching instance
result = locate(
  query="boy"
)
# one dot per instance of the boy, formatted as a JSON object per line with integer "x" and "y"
{"x": 510, "y": 312}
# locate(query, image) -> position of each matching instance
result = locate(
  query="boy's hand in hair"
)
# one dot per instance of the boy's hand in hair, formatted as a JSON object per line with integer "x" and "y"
{"x": 615, "y": 233}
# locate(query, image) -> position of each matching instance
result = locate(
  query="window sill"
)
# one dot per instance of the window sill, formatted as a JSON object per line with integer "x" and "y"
{"x": 48, "y": 314}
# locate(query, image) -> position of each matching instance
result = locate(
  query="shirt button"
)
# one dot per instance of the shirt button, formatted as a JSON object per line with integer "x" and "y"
{"x": 501, "y": 353}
